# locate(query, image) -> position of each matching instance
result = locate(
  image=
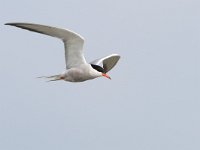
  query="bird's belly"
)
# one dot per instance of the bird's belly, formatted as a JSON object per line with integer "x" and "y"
{"x": 78, "y": 76}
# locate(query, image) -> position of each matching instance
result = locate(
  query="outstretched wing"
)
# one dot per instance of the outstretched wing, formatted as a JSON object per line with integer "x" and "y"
{"x": 73, "y": 42}
{"x": 108, "y": 62}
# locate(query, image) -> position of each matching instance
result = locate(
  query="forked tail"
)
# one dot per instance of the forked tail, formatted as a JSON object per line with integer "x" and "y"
{"x": 52, "y": 78}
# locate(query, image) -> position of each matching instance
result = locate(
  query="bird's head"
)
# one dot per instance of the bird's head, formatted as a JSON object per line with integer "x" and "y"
{"x": 101, "y": 71}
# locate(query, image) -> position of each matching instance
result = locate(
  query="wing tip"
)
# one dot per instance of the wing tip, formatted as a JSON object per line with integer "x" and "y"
{"x": 7, "y": 23}
{"x": 116, "y": 55}
{"x": 23, "y": 26}
{"x": 11, "y": 24}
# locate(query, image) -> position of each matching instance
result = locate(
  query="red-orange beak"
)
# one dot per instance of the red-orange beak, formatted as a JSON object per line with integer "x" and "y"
{"x": 105, "y": 75}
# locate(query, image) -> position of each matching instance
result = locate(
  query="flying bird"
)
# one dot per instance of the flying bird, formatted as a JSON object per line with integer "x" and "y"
{"x": 77, "y": 69}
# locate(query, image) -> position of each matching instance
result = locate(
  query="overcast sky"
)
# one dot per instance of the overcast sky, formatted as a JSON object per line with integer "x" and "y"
{"x": 152, "y": 101}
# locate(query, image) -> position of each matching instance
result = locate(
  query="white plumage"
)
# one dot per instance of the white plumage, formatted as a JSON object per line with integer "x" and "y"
{"x": 77, "y": 69}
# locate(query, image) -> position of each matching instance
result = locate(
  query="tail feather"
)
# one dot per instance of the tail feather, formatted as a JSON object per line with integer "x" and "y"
{"x": 52, "y": 78}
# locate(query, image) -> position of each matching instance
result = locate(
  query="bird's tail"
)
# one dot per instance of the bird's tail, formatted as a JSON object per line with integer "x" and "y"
{"x": 52, "y": 78}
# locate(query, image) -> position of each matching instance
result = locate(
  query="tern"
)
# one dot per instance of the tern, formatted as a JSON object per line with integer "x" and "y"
{"x": 77, "y": 69}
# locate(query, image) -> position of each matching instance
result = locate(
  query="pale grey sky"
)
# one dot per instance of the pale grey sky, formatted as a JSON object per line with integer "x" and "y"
{"x": 152, "y": 101}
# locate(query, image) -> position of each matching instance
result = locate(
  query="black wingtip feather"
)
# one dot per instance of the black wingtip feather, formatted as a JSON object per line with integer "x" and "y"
{"x": 20, "y": 25}
{"x": 10, "y": 24}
